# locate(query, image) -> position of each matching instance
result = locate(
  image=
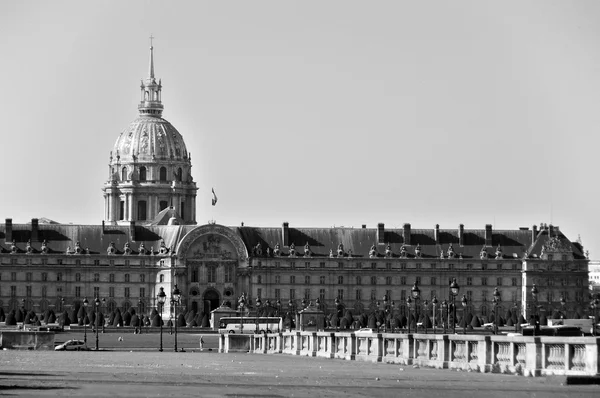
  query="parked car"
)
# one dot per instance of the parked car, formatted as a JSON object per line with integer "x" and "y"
{"x": 72, "y": 345}
{"x": 366, "y": 331}
{"x": 553, "y": 331}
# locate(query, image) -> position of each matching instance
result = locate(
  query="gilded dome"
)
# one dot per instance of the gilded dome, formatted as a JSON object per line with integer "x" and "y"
{"x": 149, "y": 138}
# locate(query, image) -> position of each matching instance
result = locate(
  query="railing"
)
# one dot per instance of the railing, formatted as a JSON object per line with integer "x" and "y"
{"x": 524, "y": 355}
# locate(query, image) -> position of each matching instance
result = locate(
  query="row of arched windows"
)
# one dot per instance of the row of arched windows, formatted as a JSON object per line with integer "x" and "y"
{"x": 143, "y": 174}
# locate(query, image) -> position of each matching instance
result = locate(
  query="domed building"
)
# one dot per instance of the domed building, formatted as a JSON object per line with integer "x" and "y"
{"x": 150, "y": 180}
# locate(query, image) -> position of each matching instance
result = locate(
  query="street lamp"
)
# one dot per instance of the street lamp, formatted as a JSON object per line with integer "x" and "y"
{"x": 141, "y": 316}
{"x": 434, "y": 304}
{"x": 425, "y": 303}
{"x": 562, "y": 310}
{"x": 85, "y": 304}
{"x": 161, "y": 297}
{"x": 176, "y": 298}
{"x": 534, "y": 294}
{"x": 464, "y": 302}
{"x": 454, "y": 288}
{"x": 516, "y": 316}
{"x": 496, "y": 304}
{"x": 594, "y": 304}
{"x": 241, "y": 305}
{"x": 258, "y": 304}
{"x": 408, "y": 302}
{"x": 97, "y": 304}
{"x": 416, "y": 294}
{"x": 445, "y": 310}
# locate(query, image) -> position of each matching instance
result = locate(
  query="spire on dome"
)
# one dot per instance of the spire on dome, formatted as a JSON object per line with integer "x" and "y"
{"x": 151, "y": 67}
{"x": 150, "y": 103}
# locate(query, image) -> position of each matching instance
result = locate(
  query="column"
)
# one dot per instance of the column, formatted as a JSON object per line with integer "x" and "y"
{"x": 130, "y": 210}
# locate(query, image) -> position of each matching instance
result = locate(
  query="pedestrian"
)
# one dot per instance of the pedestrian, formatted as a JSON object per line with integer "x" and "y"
{"x": 201, "y": 343}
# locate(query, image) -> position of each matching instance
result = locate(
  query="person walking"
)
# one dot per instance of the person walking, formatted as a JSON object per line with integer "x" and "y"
{"x": 201, "y": 343}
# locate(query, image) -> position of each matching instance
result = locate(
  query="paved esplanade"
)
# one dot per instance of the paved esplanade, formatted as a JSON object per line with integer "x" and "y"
{"x": 207, "y": 374}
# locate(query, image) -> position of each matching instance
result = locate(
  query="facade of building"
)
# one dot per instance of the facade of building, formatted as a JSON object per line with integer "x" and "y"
{"x": 149, "y": 240}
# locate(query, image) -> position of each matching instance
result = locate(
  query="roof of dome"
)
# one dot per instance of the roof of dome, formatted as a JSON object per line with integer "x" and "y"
{"x": 148, "y": 137}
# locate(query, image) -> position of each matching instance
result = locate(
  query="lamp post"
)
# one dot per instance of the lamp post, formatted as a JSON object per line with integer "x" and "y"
{"x": 141, "y": 316}
{"x": 258, "y": 304}
{"x": 464, "y": 302}
{"x": 515, "y": 311}
{"x": 161, "y": 297}
{"x": 594, "y": 304}
{"x": 496, "y": 304}
{"x": 534, "y": 294}
{"x": 278, "y": 304}
{"x": 434, "y": 304}
{"x": 454, "y": 288}
{"x": 97, "y": 303}
{"x": 416, "y": 294}
{"x": 562, "y": 309}
{"x": 176, "y": 297}
{"x": 408, "y": 302}
{"x": 85, "y": 305}
{"x": 444, "y": 310}
{"x": 241, "y": 305}
{"x": 425, "y": 304}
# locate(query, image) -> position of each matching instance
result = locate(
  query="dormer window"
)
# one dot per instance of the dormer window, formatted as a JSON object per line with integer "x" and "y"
{"x": 142, "y": 173}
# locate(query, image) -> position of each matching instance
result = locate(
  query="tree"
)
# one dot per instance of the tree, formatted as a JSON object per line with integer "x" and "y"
{"x": 51, "y": 318}
{"x": 205, "y": 321}
{"x": 135, "y": 321}
{"x": 181, "y": 321}
{"x": 475, "y": 322}
{"x": 127, "y": 318}
{"x": 344, "y": 323}
{"x": 156, "y": 321}
{"x": 10, "y": 319}
{"x": 372, "y": 321}
{"x": 334, "y": 320}
{"x": 118, "y": 319}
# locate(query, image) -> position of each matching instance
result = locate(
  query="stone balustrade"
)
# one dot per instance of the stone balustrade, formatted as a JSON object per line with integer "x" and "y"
{"x": 525, "y": 355}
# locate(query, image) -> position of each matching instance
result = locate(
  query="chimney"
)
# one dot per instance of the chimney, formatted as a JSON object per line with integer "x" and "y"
{"x": 436, "y": 234}
{"x": 8, "y": 232}
{"x": 488, "y": 235}
{"x": 534, "y": 233}
{"x": 285, "y": 234}
{"x": 364, "y": 226}
{"x": 34, "y": 230}
{"x": 551, "y": 231}
{"x": 406, "y": 234}
{"x": 132, "y": 230}
{"x": 461, "y": 235}
{"x": 380, "y": 233}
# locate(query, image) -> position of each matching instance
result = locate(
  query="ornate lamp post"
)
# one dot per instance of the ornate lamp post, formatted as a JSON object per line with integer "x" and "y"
{"x": 434, "y": 304}
{"x": 176, "y": 298}
{"x": 464, "y": 302}
{"x": 258, "y": 304}
{"x": 408, "y": 302}
{"x": 454, "y": 288}
{"x": 425, "y": 304}
{"x": 562, "y": 308}
{"x": 416, "y": 294}
{"x": 97, "y": 305}
{"x": 594, "y": 304}
{"x": 241, "y": 305}
{"x": 85, "y": 305}
{"x": 141, "y": 316}
{"x": 515, "y": 311}
{"x": 496, "y": 301}
{"x": 445, "y": 310}
{"x": 161, "y": 298}
{"x": 534, "y": 294}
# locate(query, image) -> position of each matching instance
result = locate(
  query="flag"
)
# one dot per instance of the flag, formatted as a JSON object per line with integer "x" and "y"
{"x": 214, "y": 199}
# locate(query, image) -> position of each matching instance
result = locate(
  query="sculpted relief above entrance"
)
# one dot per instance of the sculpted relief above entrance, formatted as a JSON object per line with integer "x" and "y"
{"x": 212, "y": 246}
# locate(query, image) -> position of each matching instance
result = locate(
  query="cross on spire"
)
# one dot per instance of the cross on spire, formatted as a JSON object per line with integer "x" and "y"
{"x": 151, "y": 38}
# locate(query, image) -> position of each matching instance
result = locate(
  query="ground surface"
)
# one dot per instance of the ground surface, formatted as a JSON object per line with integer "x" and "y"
{"x": 128, "y": 368}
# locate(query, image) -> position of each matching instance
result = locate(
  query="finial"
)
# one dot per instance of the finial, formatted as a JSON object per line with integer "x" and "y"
{"x": 151, "y": 68}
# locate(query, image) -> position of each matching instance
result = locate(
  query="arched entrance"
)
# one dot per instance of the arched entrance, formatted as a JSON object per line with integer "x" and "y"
{"x": 211, "y": 300}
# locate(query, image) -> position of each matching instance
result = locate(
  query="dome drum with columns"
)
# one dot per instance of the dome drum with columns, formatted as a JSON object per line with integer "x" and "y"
{"x": 150, "y": 167}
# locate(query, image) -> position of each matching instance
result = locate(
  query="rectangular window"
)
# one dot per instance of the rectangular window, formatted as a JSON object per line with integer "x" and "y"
{"x": 111, "y": 291}
{"x": 484, "y": 295}
{"x": 44, "y": 276}
{"x": 373, "y": 265}
{"x": 484, "y": 281}
{"x": 388, "y": 280}
{"x": 292, "y": 294}
{"x": 402, "y": 265}
{"x": 433, "y": 265}
{"x": 28, "y": 276}
{"x": 28, "y": 291}
{"x": 142, "y": 278}
{"x": 142, "y": 292}
{"x": 44, "y": 291}
{"x": 469, "y": 281}
{"x": 579, "y": 297}
{"x": 211, "y": 274}
{"x": 307, "y": 294}
{"x": 340, "y": 294}
{"x": 307, "y": 264}
{"x": 259, "y": 279}
{"x": 96, "y": 262}
{"x": 13, "y": 291}
{"x": 59, "y": 277}
{"x": 322, "y": 294}
{"x": 96, "y": 277}
{"x": 433, "y": 294}
{"x": 433, "y": 281}
{"x": 469, "y": 267}
{"x": 373, "y": 280}
{"x": 499, "y": 282}
{"x": 277, "y": 279}
{"x": 59, "y": 261}
{"x": 111, "y": 278}
{"x": 293, "y": 265}
{"x": 277, "y": 294}
{"x": 307, "y": 279}
{"x": 403, "y": 280}
{"x": 418, "y": 265}
{"x": 96, "y": 291}
{"x": 418, "y": 280}
{"x": 259, "y": 292}
{"x": 322, "y": 280}
{"x": 127, "y": 278}
{"x": 358, "y": 280}
{"x": 484, "y": 266}
{"x": 514, "y": 281}
{"x": 340, "y": 280}
{"x": 78, "y": 277}
{"x": 341, "y": 265}
{"x": 469, "y": 295}
{"x": 358, "y": 294}
{"x": 292, "y": 279}
{"x": 388, "y": 266}
{"x": 59, "y": 291}
{"x": 127, "y": 292}
{"x": 127, "y": 263}
{"x": 450, "y": 266}
{"x": 228, "y": 274}
{"x": 359, "y": 265}
{"x": 403, "y": 295}
{"x": 373, "y": 295}
{"x": 77, "y": 291}
{"x": 322, "y": 264}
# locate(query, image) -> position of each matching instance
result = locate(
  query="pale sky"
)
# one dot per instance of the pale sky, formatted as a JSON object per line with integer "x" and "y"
{"x": 319, "y": 113}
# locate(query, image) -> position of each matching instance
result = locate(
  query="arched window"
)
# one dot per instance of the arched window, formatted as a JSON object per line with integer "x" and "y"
{"x": 142, "y": 210}
{"x": 179, "y": 174}
{"x": 142, "y": 173}
{"x": 161, "y": 278}
{"x": 146, "y": 96}
{"x": 163, "y": 174}
{"x": 124, "y": 174}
